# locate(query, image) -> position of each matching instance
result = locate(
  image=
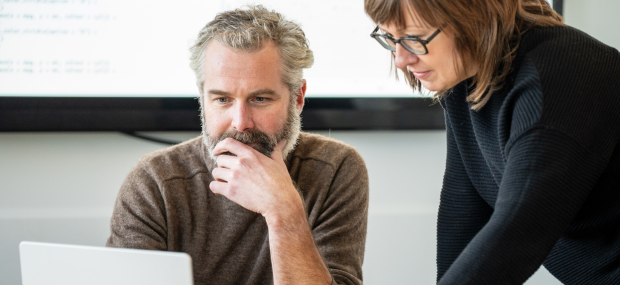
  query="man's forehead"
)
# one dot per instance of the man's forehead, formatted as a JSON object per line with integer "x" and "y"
{"x": 232, "y": 70}
{"x": 220, "y": 56}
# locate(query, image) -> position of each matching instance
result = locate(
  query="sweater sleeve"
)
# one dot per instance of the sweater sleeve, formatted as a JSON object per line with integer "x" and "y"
{"x": 138, "y": 220}
{"x": 340, "y": 230}
{"x": 548, "y": 177}
{"x": 462, "y": 212}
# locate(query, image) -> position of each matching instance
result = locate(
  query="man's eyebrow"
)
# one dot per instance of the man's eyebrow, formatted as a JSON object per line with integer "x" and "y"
{"x": 218, "y": 92}
{"x": 265, "y": 91}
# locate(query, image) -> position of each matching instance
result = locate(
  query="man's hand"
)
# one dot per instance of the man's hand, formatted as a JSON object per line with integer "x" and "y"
{"x": 263, "y": 185}
{"x": 256, "y": 182}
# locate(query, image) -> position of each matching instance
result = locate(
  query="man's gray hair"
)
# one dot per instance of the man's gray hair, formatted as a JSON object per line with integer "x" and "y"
{"x": 247, "y": 30}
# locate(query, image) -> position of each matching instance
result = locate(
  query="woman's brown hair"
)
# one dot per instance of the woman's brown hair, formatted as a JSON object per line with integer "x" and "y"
{"x": 486, "y": 33}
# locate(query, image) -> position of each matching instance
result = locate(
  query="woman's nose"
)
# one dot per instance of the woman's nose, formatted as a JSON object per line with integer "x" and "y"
{"x": 403, "y": 57}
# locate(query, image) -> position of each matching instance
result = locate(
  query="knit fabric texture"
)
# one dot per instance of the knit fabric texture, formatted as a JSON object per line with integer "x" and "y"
{"x": 165, "y": 204}
{"x": 534, "y": 176}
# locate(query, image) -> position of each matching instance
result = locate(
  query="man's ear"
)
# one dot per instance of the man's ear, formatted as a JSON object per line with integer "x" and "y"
{"x": 301, "y": 95}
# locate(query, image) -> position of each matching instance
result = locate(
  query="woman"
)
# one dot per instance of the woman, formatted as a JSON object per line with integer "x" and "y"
{"x": 532, "y": 113}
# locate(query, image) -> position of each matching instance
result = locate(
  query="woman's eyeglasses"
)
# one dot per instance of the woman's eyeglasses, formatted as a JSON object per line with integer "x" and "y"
{"x": 414, "y": 45}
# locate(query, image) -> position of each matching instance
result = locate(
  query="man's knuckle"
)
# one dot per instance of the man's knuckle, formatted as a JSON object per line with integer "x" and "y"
{"x": 231, "y": 191}
{"x": 242, "y": 161}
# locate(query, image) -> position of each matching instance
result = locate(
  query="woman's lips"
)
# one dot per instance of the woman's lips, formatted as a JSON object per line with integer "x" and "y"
{"x": 419, "y": 75}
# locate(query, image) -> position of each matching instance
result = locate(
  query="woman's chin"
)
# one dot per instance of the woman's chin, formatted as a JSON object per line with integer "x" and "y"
{"x": 430, "y": 86}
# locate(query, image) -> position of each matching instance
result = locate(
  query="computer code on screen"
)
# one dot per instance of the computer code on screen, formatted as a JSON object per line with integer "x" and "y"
{"x": 139, "y": 48}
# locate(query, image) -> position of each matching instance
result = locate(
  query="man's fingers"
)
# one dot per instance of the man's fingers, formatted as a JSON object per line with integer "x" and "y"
{"x": 224, "y": 189}
{"x": 233, "y": 146}
{"x": 218, "y": 187}
{"x": 226, "y": 161}
{"x": 222, "y": 174}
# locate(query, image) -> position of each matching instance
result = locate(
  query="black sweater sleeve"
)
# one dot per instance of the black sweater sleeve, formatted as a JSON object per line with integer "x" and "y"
{"x": 549, "y": 139}
{"x": 548, "y": 177}
{"x": 462, "y": 212}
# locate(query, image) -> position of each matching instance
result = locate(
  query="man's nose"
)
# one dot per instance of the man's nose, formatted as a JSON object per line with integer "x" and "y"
{"x": 403, "y": 57}
{"x": 242, "y": 117}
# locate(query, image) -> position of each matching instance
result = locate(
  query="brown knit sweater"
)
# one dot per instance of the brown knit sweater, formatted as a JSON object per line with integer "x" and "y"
{"x": 165, "y": 204}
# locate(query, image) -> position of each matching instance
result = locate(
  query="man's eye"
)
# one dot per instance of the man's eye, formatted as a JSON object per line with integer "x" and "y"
{"x": 222, "y": 100}
{"x": 260, "y": 99}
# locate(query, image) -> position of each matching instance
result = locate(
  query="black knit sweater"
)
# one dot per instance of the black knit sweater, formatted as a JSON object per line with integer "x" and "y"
{"x": 534, "y": 176}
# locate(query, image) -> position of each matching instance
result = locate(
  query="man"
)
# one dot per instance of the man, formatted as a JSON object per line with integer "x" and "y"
{"x": 253, "y": 201}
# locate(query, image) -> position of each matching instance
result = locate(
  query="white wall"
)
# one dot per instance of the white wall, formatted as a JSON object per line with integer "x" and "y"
{"x": 59, "y": 187}
{"x": 599, "y": 18}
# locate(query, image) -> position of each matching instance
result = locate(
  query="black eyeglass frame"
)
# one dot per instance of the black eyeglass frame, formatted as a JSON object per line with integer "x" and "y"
{"x": 376, "y": 36}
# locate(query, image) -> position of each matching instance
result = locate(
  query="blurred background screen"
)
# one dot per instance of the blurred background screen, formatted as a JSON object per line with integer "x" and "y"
{"x": 140, "y": 48}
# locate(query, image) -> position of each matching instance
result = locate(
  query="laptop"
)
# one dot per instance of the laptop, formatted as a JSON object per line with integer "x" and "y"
{"x": 51, "y": 264}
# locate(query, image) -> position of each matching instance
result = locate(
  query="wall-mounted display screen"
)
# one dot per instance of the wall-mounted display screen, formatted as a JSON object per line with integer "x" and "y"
{"x": 123, "y": 65}
{"x": 140, "y": 48}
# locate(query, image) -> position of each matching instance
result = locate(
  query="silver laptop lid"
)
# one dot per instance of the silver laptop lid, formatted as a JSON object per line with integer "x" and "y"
{"x": 51, "y": 264}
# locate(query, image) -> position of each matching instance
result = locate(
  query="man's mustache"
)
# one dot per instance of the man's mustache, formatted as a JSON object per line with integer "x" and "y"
{"x": 261, "y": 141}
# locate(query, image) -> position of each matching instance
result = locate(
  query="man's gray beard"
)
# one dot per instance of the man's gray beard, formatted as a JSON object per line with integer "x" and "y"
{"x": 264, "y": 143}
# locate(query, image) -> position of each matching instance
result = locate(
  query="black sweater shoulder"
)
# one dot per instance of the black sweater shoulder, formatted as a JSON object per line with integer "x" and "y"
{"x": 580, "y": 84}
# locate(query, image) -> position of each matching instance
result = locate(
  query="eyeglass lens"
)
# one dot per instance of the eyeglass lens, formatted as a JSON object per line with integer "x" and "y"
{"x": 410, "y": 45}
